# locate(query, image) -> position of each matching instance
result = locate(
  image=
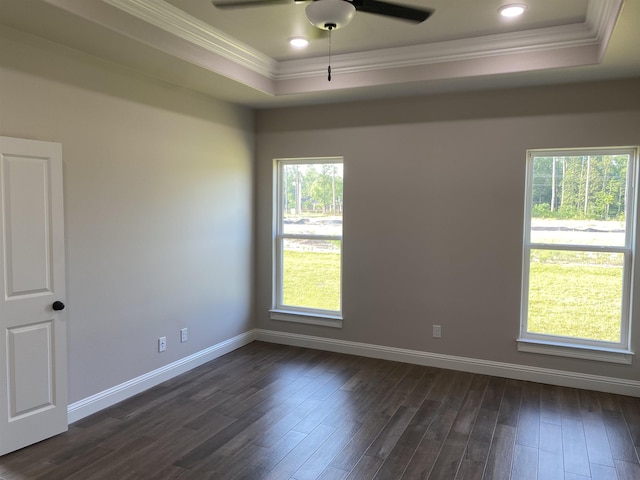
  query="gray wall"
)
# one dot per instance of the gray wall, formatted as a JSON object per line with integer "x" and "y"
{"x": 158, "y": 203}
{"x": 433, "y": 210}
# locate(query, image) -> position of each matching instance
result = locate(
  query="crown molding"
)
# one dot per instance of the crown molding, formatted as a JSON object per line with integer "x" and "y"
{"x": 593, "y": 32}
{"x": 165, "y": 16}
{"x": 554, "y": 47}
{"x": 540, "y": 40}
{"x": 601, "y": 18}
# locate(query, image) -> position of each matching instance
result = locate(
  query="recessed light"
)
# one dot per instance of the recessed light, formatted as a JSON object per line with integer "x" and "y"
{"x": 298, "y": 42}
{"x": 513, "y": 10}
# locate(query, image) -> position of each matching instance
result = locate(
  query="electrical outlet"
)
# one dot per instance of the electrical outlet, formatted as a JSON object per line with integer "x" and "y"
{"x": 184, "y": 335}
{"x": 437, "y": 331}
{"x": 162, "y": 344}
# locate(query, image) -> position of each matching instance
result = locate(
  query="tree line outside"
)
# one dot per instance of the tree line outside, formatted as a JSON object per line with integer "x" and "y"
{"x": 580, "y": 187}
{"x": 571, "y": 188}
{"x": 577, "y": 294}
{"x": 312, "y": 201}
{"x": 316, "y": 188}
{"x": 570, "y": 294}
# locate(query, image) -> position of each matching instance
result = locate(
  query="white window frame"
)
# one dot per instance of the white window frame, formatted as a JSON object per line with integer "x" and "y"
{"x": 289, "y": 313}
{"x": 568, "y": 346}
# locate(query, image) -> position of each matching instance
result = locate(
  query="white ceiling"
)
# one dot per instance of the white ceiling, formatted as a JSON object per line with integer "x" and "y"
{"x": 242, "y": 55}
{"x": 266, "y": 28}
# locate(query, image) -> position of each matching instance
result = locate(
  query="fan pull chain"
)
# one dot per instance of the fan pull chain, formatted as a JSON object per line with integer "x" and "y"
{"x": 330, "y": 27}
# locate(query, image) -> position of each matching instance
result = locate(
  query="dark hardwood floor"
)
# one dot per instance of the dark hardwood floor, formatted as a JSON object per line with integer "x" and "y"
{"x": 274, "y": 412}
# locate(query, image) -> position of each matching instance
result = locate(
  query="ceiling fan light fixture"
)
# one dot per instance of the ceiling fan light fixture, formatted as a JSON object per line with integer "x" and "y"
{"x": 330, "y": 14}
{"x": 512, "y": 10}
{"x": 298, "y": 42}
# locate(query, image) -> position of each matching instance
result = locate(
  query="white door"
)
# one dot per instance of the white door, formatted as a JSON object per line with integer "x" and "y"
{"x": 33, "y": 334}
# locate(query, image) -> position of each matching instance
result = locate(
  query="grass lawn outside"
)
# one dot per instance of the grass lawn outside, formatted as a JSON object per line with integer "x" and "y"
{"x": 312, "y": 279}
{"x": 575, "y": 294}
{"x": 571, "y": 294}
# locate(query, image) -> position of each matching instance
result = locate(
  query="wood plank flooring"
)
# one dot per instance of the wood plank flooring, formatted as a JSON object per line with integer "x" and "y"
{"x": 274, "y": 412}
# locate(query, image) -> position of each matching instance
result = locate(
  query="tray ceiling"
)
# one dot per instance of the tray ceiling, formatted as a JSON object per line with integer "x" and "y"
{"x": 464, "y": 40}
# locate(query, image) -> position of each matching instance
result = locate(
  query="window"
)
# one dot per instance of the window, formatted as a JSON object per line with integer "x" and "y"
{"x": 577, "y": 256}
{"x": 308, "y": 241}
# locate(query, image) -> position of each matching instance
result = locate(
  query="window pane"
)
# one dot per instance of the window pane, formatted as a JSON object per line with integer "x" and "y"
{"x": 579, "y": 200}
{"x": 311, "y": 274}
{"x": 312, "y": 199}
{"x": 576, "y": 294}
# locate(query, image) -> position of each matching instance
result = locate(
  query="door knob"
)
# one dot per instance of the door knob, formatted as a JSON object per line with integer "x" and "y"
{"x": 57, "y": 305}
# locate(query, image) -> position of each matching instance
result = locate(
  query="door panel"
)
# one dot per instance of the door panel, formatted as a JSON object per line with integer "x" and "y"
{"x": 26, "y": 222}
{"x": 30, "y": 362}
{"x": 33, "y": 348}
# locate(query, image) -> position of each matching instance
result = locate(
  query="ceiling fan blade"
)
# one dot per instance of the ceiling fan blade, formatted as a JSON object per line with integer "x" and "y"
{"x": 402, "y": 12}
{"x": 251, "y": 3}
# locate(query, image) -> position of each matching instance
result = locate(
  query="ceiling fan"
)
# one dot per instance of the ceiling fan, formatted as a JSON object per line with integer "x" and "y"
{"x": 334, "y": 14}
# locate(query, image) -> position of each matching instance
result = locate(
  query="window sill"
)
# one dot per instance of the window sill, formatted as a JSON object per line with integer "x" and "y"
{"x": 306, "y": 317}
{"x": 585, "y": 352}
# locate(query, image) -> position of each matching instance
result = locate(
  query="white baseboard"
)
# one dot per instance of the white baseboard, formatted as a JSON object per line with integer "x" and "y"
{"x": 485, "y": 367}
{"x": 113, "y": 395}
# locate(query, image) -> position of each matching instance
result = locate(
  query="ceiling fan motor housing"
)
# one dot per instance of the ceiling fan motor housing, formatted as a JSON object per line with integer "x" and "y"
{"x": 330, "y": 14}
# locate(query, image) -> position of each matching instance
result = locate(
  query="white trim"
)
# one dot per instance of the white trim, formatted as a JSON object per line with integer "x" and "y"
{"x": 602, "y": 17}
{"x": 290, "y": 313}
{"x": 162, "y": 14}
{"x": 584, "y": 352}
{"x": 593, "y": 34}
{"x": 101, "y": 400}
{"x": 619, "y": 386}
{"x": 308, "y": 318}
{"x": 113, "y": 395}
{"x": 589, "y": 349}
{"x": 488, "y": 46}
